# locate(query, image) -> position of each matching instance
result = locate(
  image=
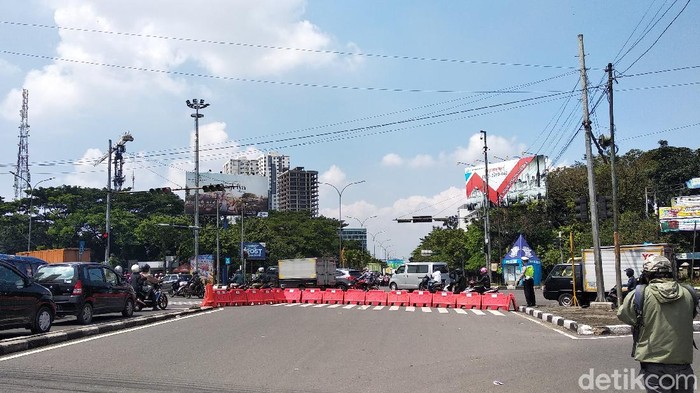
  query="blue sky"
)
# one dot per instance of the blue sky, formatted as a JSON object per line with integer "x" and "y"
{"x": 391, "y": 92}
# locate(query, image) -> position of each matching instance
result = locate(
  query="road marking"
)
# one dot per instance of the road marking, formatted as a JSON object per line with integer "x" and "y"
{"x": 278, "y": 304}
{"x": 291, "y": 304}
{"x": 410, "y": 308}
{"x": 478, "y": 312}
{"x": 426, "y": 309}
{"x": 320, "y": 305}
{"x": 378, "y": 308}
{"x": 96, "y": 337}
{"x": 349, "y": 306}
{"x": 306, "y": 305}
{"x": 393, "y": 308}
{"x": 442, "y": 310}
{"x": 364, "y": 307}
{"x": 460, "y": 311}
{"x": 334, "y": 305}
{"x": 496, "y": 312}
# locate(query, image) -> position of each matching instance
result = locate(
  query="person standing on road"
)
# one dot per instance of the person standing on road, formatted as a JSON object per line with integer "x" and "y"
{"x": 661, "y": 312}
{"x": 528, "y": 278}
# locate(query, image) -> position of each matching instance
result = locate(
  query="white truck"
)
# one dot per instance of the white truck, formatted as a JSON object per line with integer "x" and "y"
{"x": 306, "y": 273}
{"x": 559, "y": 282}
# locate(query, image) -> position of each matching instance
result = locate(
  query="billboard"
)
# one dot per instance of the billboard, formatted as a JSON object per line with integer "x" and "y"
{"x": 240, "y": 190}
{"x": 508, "y": 180}
{"x": 256, "y": 251}
{"x": 683, "y": 216}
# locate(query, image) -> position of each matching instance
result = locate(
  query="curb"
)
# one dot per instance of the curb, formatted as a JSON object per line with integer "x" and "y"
{"x": 39, "y": 340}
{"x": 586, "y": 330}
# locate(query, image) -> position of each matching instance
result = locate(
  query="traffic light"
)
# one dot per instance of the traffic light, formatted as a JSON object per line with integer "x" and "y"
{"x": 582, "y": 208}
{"x": 105, "y": 236}
{"x": 213, "y": 187}
{"x": 605, "y": 210}
{"x": 162, "y": 190}
{"x": 422, "y": 218}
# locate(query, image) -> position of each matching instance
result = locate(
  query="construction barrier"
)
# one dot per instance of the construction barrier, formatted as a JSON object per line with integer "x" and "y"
{"x": 292, "y": 295}
{"x": 375, "y": 297}
{"x": 444, "y": 299}
{"x": 237, "y": 297}
{"x": 468, "y": 300}
{"x": 209, "y": 300}
{"x": 398, "y": 298}
{"x": 312, "y": 295}
{"x": 221, "y": 297}
{"x": 278, "y": 295}
{"x": 495, "y": 301}
{"x": 267, "y": 296}
{"x": 420, "y": 299}
{"x": 333, "y": 296}
{"x": 255, "y": 297}
{"x": 354, "y": 296}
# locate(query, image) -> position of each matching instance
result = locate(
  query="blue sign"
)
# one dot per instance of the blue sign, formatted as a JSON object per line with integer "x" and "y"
{"x": 228, "y": 260}
{"x": 256, "y": 251}
{"x": 82, "y": 246}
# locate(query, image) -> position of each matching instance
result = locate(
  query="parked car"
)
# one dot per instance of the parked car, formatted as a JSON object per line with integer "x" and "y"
{"x": 170, "y": 281}
{"x": 23, "y": 302}
{"x": 344, "y": 278}
{"x": 86, "y": 289}
{"x": 27, "y": 265}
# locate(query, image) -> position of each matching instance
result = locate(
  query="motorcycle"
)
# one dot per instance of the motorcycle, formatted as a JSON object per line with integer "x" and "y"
{"x": 157, "y": 299}
{"x": 427, "y": 285}
{"x": 479, "y": 289}
{"x": 458, "y": 283}
{"x": 178, "y": 288}
{"x": 366, "y": 284}
{"x": 194, "y": 288}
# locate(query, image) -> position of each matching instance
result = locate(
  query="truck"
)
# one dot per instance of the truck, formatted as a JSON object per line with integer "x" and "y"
{"x": 559, "y": 283}
{"x": 306, "y": 273}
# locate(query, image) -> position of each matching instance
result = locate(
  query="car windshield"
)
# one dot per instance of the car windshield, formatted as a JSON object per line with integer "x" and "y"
{"x": 49, "y": 273}
{"x": 355, "y": 273}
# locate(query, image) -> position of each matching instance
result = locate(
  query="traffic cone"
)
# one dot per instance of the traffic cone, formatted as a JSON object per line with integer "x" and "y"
{"x": 208, "y": 300}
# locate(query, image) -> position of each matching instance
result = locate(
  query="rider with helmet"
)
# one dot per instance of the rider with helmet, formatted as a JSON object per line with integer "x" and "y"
{"x": 631, "y": 280}
{"x": 484, "y": 282}
{"x": 118, "y": 269}
{"x": 436, "y": 278}
{"x": 146, "y": 289}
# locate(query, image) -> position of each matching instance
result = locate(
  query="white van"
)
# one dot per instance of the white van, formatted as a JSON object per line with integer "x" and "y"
{"x": 409, "y": 275}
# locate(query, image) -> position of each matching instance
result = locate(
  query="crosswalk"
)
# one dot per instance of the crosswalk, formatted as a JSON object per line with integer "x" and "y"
{"x": 438, "y": 310}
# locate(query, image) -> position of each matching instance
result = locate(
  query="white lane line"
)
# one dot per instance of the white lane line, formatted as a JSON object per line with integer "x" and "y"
{"x": 478, "y": 312}
{"x": 306, "y": 305}
{"x": 99, "y": 336}
{"x": 393, "y": 308}
{"x": 410, "y": 308}
{"x": 378, "y": 308}
{"x": 460, "y": 311}
{"x": 364, "y": 307}
{"x": 334, "y": 305}
{"x": 319, "y": 305}
{"x": 278, "y": 304}
{"x": 349, "y": 306}
{"x": 496, "y": 312}
{"x": 442, "y": 310}
{"x": 291, "y": 304}
{"x": 426, "y": 309}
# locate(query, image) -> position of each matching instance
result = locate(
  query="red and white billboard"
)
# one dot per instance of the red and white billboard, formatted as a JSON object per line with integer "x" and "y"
{"x": 508, "y": 180}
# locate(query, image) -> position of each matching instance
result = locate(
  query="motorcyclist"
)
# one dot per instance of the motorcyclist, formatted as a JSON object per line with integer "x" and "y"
{"x": 436, "y": 279}
{"x": 136, "y": 282}
{"x": 631, "y": 281}
{"x": 147, "y": 288}
{"x": 366, "y": 277}
{"x": 484, "y": 282}
{"x": 258, "y": 278}
{"x": 238, "y": 279}
{"x": 119, "y": 271}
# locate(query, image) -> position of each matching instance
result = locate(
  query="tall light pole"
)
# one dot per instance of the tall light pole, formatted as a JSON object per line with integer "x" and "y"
{"x": 374, "y": 243}
{"x": 196, "y": 104}
{"x": 31, "y": 200}
{"x": 362, "y": 222}
{"x": 340, "y": 216}
{"x": 487, "y": 236}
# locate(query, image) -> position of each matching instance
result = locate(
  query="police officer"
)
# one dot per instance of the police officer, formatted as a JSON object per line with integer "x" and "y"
{"x": 528, "y": 278}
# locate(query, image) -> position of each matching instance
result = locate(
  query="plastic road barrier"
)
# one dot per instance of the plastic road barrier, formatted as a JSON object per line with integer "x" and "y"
{"x": 221, "y": 297}
{"x": 278, "y": 295}
{"x": 398, "y": 298}
{"x": 333, "y": 296}
{"x": 444, "y": 299}
{"x": 354, "y": 296}
{"x": 237, "y": 297}
{"x": 420, "y": 299}
{"x": 208, "y": 300}
{"x": 267, "y": 296}
{"x": 255, "y": 297}
{"x": 312, "y": 295}
{"x": 468, "y": 300}
{"x": 292, "y": 295}
{"x": 495, "y": 301}
{"x": 376, "y": 297}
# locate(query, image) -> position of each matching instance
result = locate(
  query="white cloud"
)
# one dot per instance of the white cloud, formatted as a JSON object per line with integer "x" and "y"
{"x": 422, "y": 161}
{"x": 392, "y": 159}
{"x": 498, "y": 147}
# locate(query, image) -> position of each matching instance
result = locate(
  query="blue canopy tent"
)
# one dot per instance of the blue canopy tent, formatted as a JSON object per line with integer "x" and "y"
{"x": 513, "y": 264}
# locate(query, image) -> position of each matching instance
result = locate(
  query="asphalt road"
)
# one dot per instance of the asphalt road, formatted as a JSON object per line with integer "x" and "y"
{"x": 295, "y": 348}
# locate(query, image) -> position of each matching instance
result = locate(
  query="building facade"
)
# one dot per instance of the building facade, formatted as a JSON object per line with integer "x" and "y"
{"x": 357, "y": 234}
{"x": 297, "y": 190}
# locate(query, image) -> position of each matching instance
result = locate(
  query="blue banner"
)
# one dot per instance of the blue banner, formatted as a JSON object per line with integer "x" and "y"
{"x": 256, "y": 251}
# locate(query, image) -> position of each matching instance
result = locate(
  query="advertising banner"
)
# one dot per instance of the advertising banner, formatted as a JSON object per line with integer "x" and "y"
{"x": 693, "y": 183}
{"x": 681, "y": 224}
{"x": 239, "y": 190}
{"x": 256, "y": 251}
{"x": 679, "y": 211}
{"x": 689, "y": 200}
{"x": 511, "y": 179}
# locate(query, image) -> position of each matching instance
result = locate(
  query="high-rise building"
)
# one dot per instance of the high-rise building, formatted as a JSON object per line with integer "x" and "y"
{"x": 272, "y": 165}
{"x": 297, "y": 190}
{"x": 357, "y": 234}
{"x": 242, "y": 166}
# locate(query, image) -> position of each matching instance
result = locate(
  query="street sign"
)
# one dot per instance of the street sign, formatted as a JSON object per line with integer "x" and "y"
{"x": 228, "y": 260}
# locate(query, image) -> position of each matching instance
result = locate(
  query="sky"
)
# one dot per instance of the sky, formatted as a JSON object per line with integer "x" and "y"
{"x": 392, "y": 92}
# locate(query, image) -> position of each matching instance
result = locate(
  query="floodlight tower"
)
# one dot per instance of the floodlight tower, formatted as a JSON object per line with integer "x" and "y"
{"x": 22, "y": 169}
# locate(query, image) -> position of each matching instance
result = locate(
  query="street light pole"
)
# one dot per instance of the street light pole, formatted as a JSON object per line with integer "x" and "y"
{"x": 362, "y": 222}
{"x": 487, "y": 236}
{"x": 31, "y": 200}
{"x": 340, "y": 217}
{"x": 374, "y": 243}
{"x": 196, "y": 104}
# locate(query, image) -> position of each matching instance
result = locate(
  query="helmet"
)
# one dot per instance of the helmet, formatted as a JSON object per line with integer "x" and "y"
{"x": 525, "y": 259}
{"x": 365, "y": 269}
{"x": 135, "y": 268}
{"x": 483, "y": 270}
{"x": 145, "y": 268}
{"x": 657, "y": 264}
{"x": 629, "y": 271}
{"x": 261, "y": 269}
{"x": 118, "y": 269}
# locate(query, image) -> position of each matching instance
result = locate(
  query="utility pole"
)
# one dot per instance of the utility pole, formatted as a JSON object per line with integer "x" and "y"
{"x": 108, "y": 231}
{"x": 197, "y": 105}
{"x": 487, "y": 237}
{"x": 616, "y": 235}
{"x": 600, "y": 285}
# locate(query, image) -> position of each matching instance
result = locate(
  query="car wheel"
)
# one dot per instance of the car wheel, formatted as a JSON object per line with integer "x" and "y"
{"x": 393, "y": 286}
{"x": 342, "y": 287}
{"x": 128, "y": 308}
{"x": 163, "y": 301}
{"x": 42, "y": 321}
{"x": 565, "y": 299}
{"x": 85, "y": 315}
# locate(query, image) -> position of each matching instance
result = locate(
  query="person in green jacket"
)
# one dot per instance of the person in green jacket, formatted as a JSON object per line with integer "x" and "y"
{"x": 664, "y": 339}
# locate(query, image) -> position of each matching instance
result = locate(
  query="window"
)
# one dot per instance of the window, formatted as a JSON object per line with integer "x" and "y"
{"x": 111, "y": 277}
{"x": 48, "y": 273}
{"x": 9, "y": 279}
{"x": 412, "y": 269}
{"x": 95, "y": 275}
{"x": 400, "y": 269}
{"x": 422, "y": 269}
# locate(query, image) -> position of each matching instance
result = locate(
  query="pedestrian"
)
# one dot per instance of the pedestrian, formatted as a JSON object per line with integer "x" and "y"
{"x": 528, "y": 278}
{"x": 661, "y": 312}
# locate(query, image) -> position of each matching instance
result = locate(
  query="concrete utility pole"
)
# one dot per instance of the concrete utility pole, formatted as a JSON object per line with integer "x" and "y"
{"x": 591, "y": 178}
{"x": 616, "y": 235}
{"x": 487, "y": 237}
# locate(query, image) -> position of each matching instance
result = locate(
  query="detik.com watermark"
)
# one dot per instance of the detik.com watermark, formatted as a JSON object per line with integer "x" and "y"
{"x": 634, "y": 380}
